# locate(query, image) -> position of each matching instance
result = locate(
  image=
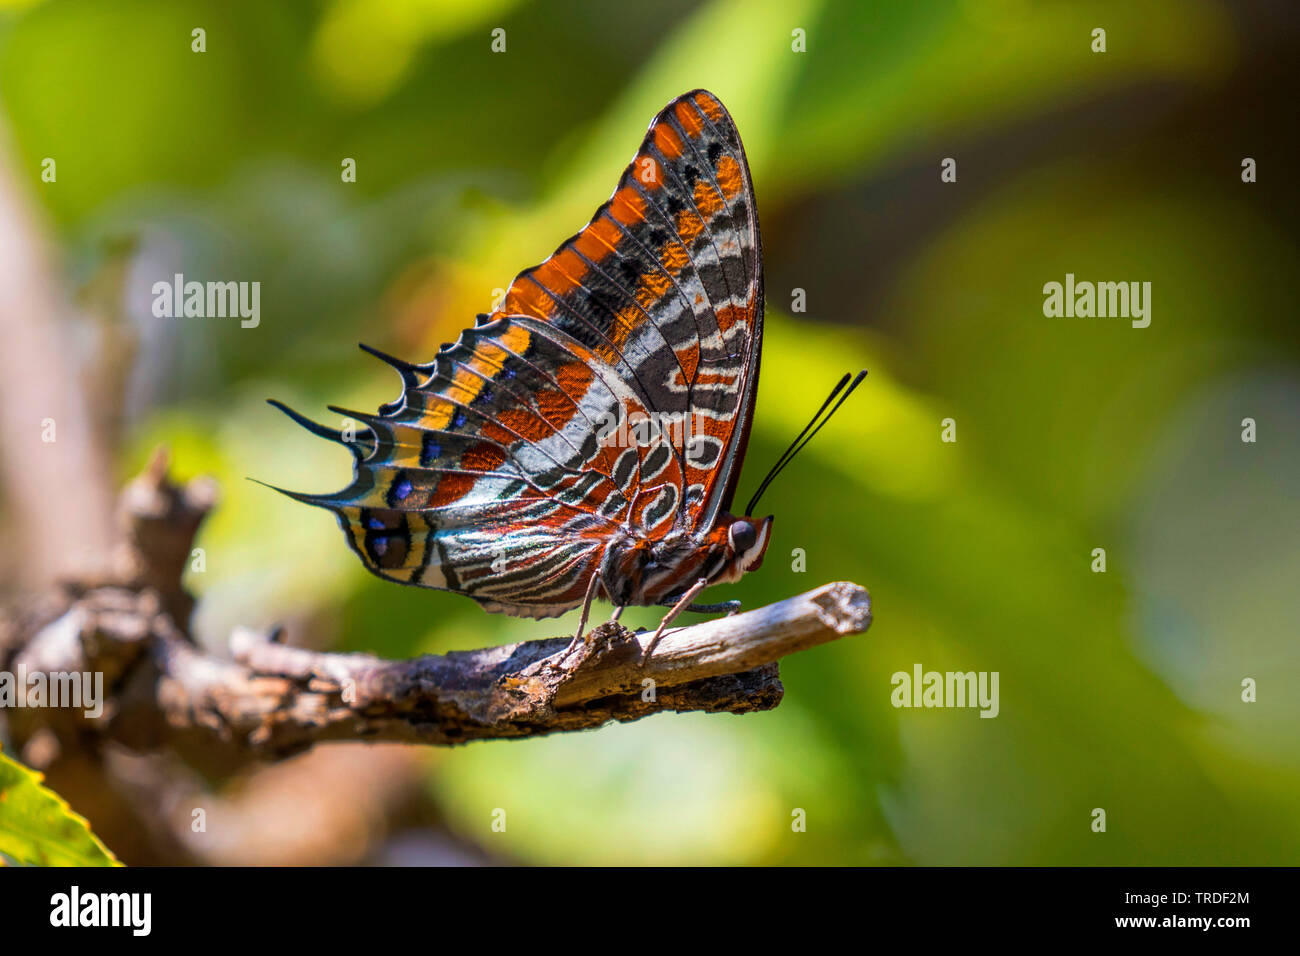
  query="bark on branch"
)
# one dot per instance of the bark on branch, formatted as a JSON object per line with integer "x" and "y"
{"x": 270, "y": 700}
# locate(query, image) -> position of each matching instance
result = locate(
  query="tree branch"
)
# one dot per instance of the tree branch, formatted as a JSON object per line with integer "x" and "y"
{"x": 271, "y": 700}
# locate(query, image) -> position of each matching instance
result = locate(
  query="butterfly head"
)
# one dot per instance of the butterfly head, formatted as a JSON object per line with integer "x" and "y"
{"x": 745, "y": 542}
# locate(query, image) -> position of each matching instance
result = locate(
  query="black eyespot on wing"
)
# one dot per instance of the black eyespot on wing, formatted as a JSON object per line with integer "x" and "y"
{"x": 630, "y": 270}
{"x": 387, "y": 537}
{"x": 661, "y": 507}
{"x": 624, "y": 467}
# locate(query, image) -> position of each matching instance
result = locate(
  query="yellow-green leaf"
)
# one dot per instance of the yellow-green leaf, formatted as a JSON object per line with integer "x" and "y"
{"x": 37, "y": 826}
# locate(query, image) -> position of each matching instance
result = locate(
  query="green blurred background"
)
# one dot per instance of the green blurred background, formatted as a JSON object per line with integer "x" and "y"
{"x": 1119, "y": 690}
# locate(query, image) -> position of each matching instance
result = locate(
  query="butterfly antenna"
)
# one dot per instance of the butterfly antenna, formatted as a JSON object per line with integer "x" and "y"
{"x": 785, "y": 454}
{"x": 801, "y": 442}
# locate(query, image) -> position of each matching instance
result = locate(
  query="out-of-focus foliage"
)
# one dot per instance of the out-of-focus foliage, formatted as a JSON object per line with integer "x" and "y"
{"x": 1119, "y": 690}
{"x": 36, "y": 826}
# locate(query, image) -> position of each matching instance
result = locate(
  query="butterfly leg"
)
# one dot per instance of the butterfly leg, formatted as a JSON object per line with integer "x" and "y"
{"x": 582, "y": 623}
{"x": 731, "y": 607}
{"x": 682, "y": 604}
{"x": 586, "y": 607}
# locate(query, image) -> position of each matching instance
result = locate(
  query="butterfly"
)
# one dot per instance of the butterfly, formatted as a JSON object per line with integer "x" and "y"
{"x": 585, "y": 438}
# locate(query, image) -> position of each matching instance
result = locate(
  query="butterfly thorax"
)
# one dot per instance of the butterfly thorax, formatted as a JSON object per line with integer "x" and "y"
{"x": 642, "y": 571}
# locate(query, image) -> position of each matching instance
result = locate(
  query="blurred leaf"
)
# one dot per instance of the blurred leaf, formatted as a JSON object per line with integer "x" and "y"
{"x": 886, "y": 78}
{"x": 38, "y": 828}
{"x": 363, "y": 48}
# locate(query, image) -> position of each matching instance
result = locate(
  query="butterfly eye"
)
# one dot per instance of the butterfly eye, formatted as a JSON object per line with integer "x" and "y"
{"x": 743, "y": 536}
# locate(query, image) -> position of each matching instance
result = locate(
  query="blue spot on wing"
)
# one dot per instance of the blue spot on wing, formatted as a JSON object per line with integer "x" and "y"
{"x": 430, "y": 450}
{"x": 398, "y": 490}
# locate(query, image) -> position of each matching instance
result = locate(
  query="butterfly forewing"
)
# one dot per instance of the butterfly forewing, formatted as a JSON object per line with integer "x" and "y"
{"x": 613, "y": 387}
{"x": 665, "y": 285}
